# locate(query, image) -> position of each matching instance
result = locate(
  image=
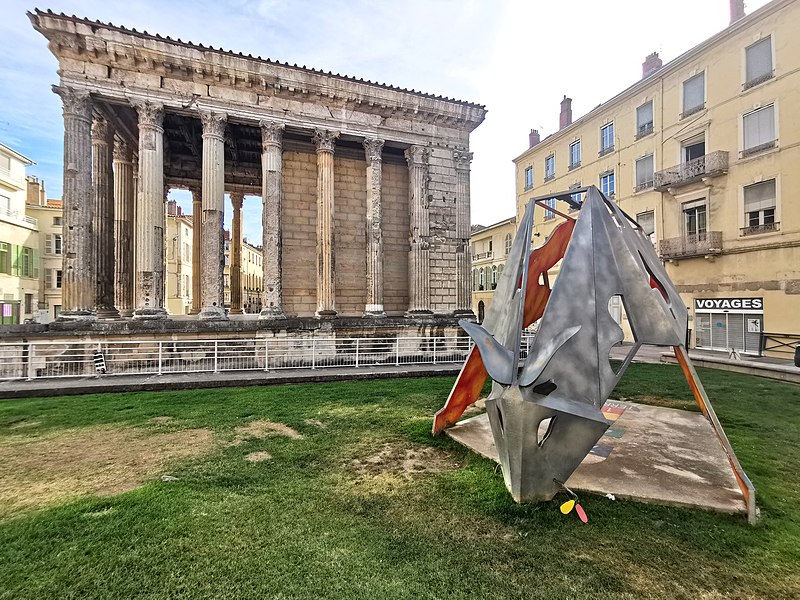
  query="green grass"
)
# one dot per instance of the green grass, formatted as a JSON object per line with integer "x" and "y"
{"x": 305, "y": 525}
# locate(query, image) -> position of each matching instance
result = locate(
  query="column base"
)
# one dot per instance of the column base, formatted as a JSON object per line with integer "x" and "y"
{"x": 419, "y": 314}
{"x": 326, "y": 313}
{"x": 194, "y": 311}
{"x": 107, "y": 312}
{"x": 148, "y": 313}
{"x": 77, "y": 315}
{"x": 374, "y": 313}
{"x": 272, "y": 313}
{"x": 212, "y": 313}
{"x": 464, "y": 313}
{"x": 126, "y": 313}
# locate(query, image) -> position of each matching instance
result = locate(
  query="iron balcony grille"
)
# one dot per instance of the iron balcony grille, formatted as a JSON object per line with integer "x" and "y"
{"x": 694, "y": 109}
{"x": 549, "y": 177}
{"x": 757, "y": 80}
{"x": 645, "y": 185}
{"x": 644, "y": 130}
{"x": 483, "y": 255}
{"x": 765, "y": 228}
{"x": 574, "y": 165}
{"x": 606, "y": 150}
{"x": 699, "y": 244}
{"x": 758, "y": 149}
{"x": 710, "y": 165}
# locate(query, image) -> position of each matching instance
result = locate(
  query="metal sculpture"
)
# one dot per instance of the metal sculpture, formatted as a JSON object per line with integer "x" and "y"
{"x": 546, "y": 417}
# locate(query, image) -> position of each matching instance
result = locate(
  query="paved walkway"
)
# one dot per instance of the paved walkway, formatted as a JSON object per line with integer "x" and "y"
{"x": 764, "y": 367}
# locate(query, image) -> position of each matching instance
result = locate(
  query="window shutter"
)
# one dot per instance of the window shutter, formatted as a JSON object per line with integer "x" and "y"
{"x": 644, "y": 170}
{"x": 759, "y": 127}
{"x": 759, "y": 59}
{"x": 694, "y": 92}
{"x": 48, "y": 243}
{"x": 644, "y": 115}
{"x": 646, "y": 221}
{"x": 35, "y": 269}
{"x": 760, "y": 196}
{"x": 48, "y": 279}
{"x": 16, "y": 253}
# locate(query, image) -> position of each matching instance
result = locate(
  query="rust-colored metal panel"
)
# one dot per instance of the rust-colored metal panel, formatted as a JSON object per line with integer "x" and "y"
{"x": 473, "y": 375}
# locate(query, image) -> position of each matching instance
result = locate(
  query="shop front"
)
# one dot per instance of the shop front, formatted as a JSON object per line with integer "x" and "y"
{"x": 729, "y": 324}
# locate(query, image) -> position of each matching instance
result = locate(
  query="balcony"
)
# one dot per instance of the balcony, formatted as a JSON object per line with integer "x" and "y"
{"x": 765, "y": 228}
{"x": 701, "y": 244}
{"x": 644, "y": 130}
{"x": 17, "y": 217}
{"x": 710, "y": 165}
{"x": 606, "y": 150}
{"x": 482, "y": 256}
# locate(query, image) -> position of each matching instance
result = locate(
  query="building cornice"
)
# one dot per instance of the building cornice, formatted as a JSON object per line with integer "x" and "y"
{"x": 668, "y": 69}
{"x": 20, "y": 157}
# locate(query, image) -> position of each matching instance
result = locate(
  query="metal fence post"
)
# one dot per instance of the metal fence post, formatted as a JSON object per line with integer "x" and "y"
{"x": 434, "y": 349}
{"x": 397, "y": 352}
{"x": 31, "y": 355}
{"x": 357, "y": 340}
{"x": 313, "y": 353}
{"x": 266, "y": 354}
{"x": 216, "y": 348}
{"x": 160, "y": 366}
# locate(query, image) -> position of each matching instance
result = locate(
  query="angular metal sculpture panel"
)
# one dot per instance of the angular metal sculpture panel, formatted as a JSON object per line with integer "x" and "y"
{"x": 546, "y": 416}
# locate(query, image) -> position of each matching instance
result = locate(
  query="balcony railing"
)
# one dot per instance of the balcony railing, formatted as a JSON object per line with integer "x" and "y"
{"x": 765, "y": 228}
{"x": 699, "y": 244}
{"x": 645, "y": 185}
{"x": 574, "y": 165}
{"x": 757, "y": 80}
{"x": 710, "y": 165}
{"x": 606, "y": 150}
{"x": 14, "y": 215}
{"x": 483, "y": 255}
{"x": 644, "y": 130}
{"x": 758, "y": 149}
{"x": 692, "y": 110}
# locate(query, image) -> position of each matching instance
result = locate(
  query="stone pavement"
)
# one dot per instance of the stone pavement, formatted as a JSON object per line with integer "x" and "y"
{"x": 649, "y": 454}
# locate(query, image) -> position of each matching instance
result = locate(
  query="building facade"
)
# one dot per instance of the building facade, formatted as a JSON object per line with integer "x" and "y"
{"x": 250, "y": 278}
{"x": 490, "y": 247}
{"x": 703, "y": 152}
{"x": 19, "y": 242}
{"x": 178, "y": 244}
{"x": 49, "y": 216}
{"x": 364, "y": 186}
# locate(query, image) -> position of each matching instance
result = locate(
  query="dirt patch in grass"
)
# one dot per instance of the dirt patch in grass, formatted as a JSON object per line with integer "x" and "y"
{"x": 258, "y": 456}
{"x": 688, "y": 404}
{"x": 24, "y": 424}
{"x": 315, "y": 423}
{"x": 163, "y": 419}
{"x": 405, "y": 460}
{"x": 42, "y": 470}
{"x": 263, "y": 428}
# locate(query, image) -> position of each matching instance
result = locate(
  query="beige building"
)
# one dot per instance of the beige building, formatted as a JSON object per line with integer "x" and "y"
{"x": 178, "y": 244}
{"x": 250, "y": 279}
{"x": 703, "y": 152}
{"x": 48, "y": 214}
{"x": 19, "y": 242}
{"x": 490, "y": 247}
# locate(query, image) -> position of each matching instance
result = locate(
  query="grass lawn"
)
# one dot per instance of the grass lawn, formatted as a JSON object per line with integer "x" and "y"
{"x": 338, "y": 491}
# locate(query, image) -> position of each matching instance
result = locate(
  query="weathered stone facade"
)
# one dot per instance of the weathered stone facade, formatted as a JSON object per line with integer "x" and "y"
{"x": 365, "y": 187}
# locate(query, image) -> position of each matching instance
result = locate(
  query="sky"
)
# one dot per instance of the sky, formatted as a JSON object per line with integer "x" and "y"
{"x": 518, "y": 58}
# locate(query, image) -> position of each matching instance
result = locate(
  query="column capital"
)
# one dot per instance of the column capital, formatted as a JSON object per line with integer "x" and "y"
{"x": 237, "y": 199}
{"x": 462, "y": 158}
{"x": 122, "y": 152}
{"x": 151, "y": 114}
{"x": 325, "y": 139}
{"x": 271, "y": 133}
{"x": 214, "y": 124}
{"x": 373, "y": 148}
{"x": 417, "y": 155}
{"x": 100, "y": 130}
{"x": 77, "y": 103}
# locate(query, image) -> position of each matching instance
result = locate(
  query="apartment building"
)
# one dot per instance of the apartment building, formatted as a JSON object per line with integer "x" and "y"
{"x": 19, "y": 242}
{"x": 490, "y": 247}
{"x": 179, "y": 260}
{"x": 703, "y": 152}
{"x": 48, "y": 214}
{"x": 251, "y": 278}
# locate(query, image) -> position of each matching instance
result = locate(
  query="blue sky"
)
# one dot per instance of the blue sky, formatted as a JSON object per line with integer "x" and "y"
{"x": 518, "y": 57}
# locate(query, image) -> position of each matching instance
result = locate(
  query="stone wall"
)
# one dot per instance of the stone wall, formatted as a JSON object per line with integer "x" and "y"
{"x": 350, "y": 242}
{"x": 395, "y": 237}
{"x": 299, "y": 233}
{"x": 444, "y": 242}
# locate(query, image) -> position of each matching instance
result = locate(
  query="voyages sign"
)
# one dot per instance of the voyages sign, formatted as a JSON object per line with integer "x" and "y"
{"x": 729, "y": 304}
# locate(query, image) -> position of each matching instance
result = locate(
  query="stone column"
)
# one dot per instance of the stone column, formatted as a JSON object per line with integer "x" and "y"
{"x": 419, "y": 289}
{"x": 374, "y": 307}
{"x": 197, "y": 251}
{"x": 149, "y": 229}
{"x": 78, "y": 276}
{"x": 123, "y": 228}
{"x": 103, "y": 197}
{"x": 271, "y": 218}
{"x": 462, "y": 158}
{"x": 326, "y": 268}
{"x": 213, "y": 256}
{"x": 237, "y": 199}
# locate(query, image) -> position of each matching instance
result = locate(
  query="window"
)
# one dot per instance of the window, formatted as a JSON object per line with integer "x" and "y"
{"x": 694, "y": 221}
{"x": 5, "y": 258}
{"x": 58, "y": 278}
{"x": 759, "y": 130}
{"x": 5, "y": 164}
{"x": 758, "y": 63}
{"x": 575, "y": 154}
{"x": 646, "y": 221}
{"x": 576, "y": 197}
{"x": 56, "y": 221}
{"x": 644, "y": 173}
{"x": 550, "y": 167}
{"x": 693, "y": 149}
{"x": 606, "y": 139}
{"x": 56, "y": 311}
{"x": 481, "y": 279}
{"x": 548, "y": 214}
{"x": 474, "y": 280}
{"x": 694, "y": 94}
{"x": 5, "y": 205}
{"x": 759, "y": 207}
{"x": 53, "y": 244}
{"x": 644, "y": 120}
{"x": 607, "y": 184}
{"x": 494, "y": 277}
{"x": 28, "y": 304}
{"x": 490, "y": 246}
{"x": 508, "y": 243}
{"x": 528, "y": 178}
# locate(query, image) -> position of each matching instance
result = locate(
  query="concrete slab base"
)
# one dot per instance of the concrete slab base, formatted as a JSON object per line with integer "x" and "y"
{"x": 649, "y": 454}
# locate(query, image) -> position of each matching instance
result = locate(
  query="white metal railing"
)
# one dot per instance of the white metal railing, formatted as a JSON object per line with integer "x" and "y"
{"x": 35, "y": 360}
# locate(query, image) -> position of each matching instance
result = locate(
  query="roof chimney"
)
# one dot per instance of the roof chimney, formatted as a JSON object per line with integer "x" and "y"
{"x": 565, "y": 118}
{"x": 172, "y": 207}
{"x": 737, "y": 10}
{"x": 651, "y": 64}
{"x": 533, "y": 138}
